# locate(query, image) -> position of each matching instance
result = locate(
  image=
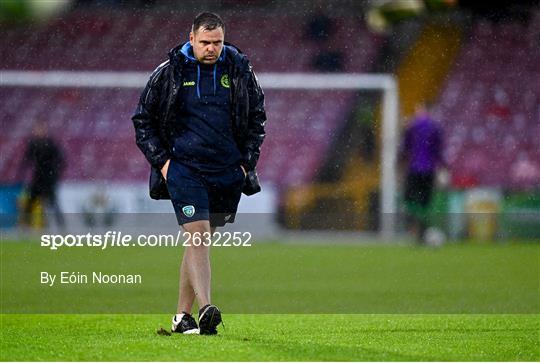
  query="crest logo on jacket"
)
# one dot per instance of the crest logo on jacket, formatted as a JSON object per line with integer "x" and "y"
{"x": 189, "y": 210}
{"x": 225, "y": 81}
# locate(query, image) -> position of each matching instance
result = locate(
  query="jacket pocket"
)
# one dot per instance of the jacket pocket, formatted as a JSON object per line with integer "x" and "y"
{"x": 158, "y": 185}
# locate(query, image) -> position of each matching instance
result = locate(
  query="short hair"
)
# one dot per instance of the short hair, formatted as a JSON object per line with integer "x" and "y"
{"x": 208, "y": 21}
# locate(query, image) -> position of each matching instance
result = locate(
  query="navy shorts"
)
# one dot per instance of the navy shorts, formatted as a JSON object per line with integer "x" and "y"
{"x": 212, "y": 196}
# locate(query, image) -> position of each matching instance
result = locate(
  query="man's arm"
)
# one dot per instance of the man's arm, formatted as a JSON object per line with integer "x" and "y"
{"x": 146, "y": 122}
{"x": 405, "y": 146}
{"x": 439, "y": 148}
{"x": 59, "y": 159}
{"x": 25, "y": 161}
{"x": 256, "y": 122}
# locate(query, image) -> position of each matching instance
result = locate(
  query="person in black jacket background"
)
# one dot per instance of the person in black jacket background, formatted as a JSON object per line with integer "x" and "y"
{"x": 47, "y": 160}
{"x": 200, "y": 123}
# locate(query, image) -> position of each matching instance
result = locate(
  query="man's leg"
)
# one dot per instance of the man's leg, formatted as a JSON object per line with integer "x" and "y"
{"x": 426, "y": 189}
{"x": 195, "y": 271}
{"x": 53, "y": 203}
{"x": 186, "y": 294}
{"x": 28, "y": 208}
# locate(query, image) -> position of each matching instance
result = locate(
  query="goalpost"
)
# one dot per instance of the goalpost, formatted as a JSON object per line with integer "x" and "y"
{"x": 293, "y": 81}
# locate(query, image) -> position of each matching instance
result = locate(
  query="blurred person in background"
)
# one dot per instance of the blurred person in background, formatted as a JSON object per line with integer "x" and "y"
{"x": 200, "y": 124}
{"x": 46, "y": 159}
{"x": 422, "y": 152}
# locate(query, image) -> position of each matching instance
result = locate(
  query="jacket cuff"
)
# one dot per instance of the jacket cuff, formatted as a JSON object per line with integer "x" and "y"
{"x": 247, "y": 162}
{"x": 160, "y": 162}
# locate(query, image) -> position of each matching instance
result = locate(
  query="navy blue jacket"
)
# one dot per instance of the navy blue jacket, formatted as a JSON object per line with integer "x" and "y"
{"x": 158, "y": 112}
{"x": 204, "y": 139}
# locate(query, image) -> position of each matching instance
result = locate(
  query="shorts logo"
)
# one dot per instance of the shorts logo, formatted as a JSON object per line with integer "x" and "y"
{"x": 188, "y": 83}
{"x": 225, "y": 81}
{"x": 189, "y": 211}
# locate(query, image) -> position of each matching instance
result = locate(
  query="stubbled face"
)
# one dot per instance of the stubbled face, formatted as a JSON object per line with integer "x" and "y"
{"x": 207, "y": 44}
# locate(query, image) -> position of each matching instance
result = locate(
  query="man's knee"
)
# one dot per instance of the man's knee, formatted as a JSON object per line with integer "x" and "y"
{"x": 199, "y": 234}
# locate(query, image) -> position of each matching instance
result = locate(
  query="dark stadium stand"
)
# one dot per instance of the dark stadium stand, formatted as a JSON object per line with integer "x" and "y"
{"x": 490, "y": 107}
{"x": 100, "y": 140}
{"x": 99, "y": 40}
{"x": 94, "y": 125}
{"x": 489, "y": 99}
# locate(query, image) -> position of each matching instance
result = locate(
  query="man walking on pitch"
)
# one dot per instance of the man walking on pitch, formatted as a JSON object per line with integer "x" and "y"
{"x": 200, "y": 124}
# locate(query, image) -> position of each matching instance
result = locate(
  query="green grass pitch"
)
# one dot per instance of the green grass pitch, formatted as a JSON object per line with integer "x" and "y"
{"x": 275, "y": 337}
{"x": 389, "y": 302}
